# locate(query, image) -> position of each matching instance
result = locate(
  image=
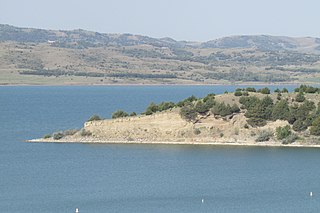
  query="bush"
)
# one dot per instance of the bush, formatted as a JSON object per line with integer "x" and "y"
{"x": 70, "y": 132}
{"x": 57, "y": 135}
{"x": 280, "y": 110}
{"x": 251, "y": 89}
{"x": 238, "y": 93}
{"x": 300, "y": 97}
{"x": 245, "y": 93}
{"x": 188, "y": 112}
{"x": 47, "y": 136}
{"x": 187, "y": 101}
{"x": 265, "y": 90}
{"x": 133, "y": 114}
{"x": 85, "y": 133}
{"x": 119, "y": 114}
{"x": 94, "y": 118}
{"x": 197, "y": 131}
{"x": 284, "y": 90}
{"x": 165, "y": 106}
{"x": 201, "y": 107}
{"x": 315, "y": 128}
{"x": 210, "y": 96}
{"x": 222, "y": 109}
{"x": 152, "y": 108}
{"x": 264, "y": 135}
{"x": 299, "y": 125}
{"x": 290, "y": 139}
{"x": 283, "y": 132}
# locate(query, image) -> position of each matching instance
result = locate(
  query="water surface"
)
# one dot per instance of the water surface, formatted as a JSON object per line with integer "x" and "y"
{"x": 138, "y": 178}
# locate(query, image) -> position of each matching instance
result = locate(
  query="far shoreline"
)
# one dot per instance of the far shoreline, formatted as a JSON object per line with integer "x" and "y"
{"x": 119, "y": 85}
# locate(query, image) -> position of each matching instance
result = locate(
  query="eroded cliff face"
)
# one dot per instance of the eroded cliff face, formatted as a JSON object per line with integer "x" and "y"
{"x": 170, "y": 127}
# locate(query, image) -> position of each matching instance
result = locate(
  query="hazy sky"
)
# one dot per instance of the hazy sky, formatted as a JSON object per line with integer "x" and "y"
{"x": 180, "y": 19}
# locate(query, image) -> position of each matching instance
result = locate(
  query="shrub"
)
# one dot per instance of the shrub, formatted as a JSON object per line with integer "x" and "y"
{"x": 246, "y": 126}
{"x": 300, "y": 97}
{"x": 58, "y": 135}
{"x": 133, "y": 114}
{"x": 210, "y": 96}
{"x": 280, "y": 110}
{"x": 284, "y": 90}
{"x": 201, "y": 107}
{"x": 188, "y": 112}
{"x": 264, "y": 135}
{"x": 283, "y": 132}
{"x": 299, "y": 125}
{"x": 251, "y": 89}
{"x": 223, "y": 110}
{"x": 47, "y": 136}
{"x": 70, "y": 132}
{"x": 165, "y": 106}
{"x": 265, "y": 90}
{"x": 235, "y": 108}
{"x": 238, "y": 93}
{"x": 85, "y": 133}
{"x": 119, "y": 114}
{"x": 197, "y": 131}
{"x": 245, "y": 93}
{"x": 277, "y": 90}
{"x": 315, "y": 128}
{"x": 94, "y": 118}
{"x": 187, "y": 101}
{"x": 290, "y": 139}
{"x": 279, "y": 96}
{"x": 152, "y": 108}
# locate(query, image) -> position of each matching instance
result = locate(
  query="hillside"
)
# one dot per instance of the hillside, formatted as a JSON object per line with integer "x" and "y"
{"x": 246, "y": 117}
{"x": 38, "y": 56}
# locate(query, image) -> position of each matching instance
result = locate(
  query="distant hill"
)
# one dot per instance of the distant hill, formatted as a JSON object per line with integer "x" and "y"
{"x": 265, "y": 42}
{"x": 38, "y": 56}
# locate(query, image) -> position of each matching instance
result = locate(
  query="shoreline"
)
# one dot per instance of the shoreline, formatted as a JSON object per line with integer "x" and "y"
{"x": 238, "y": 144}
{"x": 175, "y": 84}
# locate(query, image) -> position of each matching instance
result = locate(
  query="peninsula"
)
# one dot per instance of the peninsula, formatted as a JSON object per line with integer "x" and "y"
{"x": 244, "y": 117}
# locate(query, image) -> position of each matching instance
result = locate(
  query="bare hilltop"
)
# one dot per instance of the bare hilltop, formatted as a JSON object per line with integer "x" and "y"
{"x": 79, "y": 57}
{"x": 245, "y": 117}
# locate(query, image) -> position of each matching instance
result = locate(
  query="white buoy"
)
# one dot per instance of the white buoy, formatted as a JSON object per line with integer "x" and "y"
{"x": 77, "y": 210}
{"x": 311, "y": 194}
{"x": 202, "y": 200}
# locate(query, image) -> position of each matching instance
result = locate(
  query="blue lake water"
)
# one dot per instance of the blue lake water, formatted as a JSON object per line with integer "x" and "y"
{"x": 38, "y": 177}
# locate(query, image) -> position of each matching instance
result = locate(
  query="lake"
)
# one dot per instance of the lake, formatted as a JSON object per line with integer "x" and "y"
{"x": 39, "y": 177}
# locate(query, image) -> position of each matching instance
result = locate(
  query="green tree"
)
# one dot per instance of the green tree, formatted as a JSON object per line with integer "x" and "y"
{"x": 283, "y": 132}
{"x": 300, "y": 97}
{"x": 265, "y": 90}
{"x": 188, "y": 112}
{"x": 119, "y": 114}
{"x": 315, "y": 128}
{"x": 237, "y": 93}
{"x": 280, "y": 110}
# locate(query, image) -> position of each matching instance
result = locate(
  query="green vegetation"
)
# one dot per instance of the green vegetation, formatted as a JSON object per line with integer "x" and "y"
{"x": 47, "y": 136}
{"x": 264, "y": 135}
{"x": 300, "y": 97}
{"x": 315, "y": 128}
{"x": 283, "y": 132}
{"x": 85, "y": 133}
{"x": 188, "y": 112}
{"x": 119, "y": 114}
{"x": 94, "y": 118}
